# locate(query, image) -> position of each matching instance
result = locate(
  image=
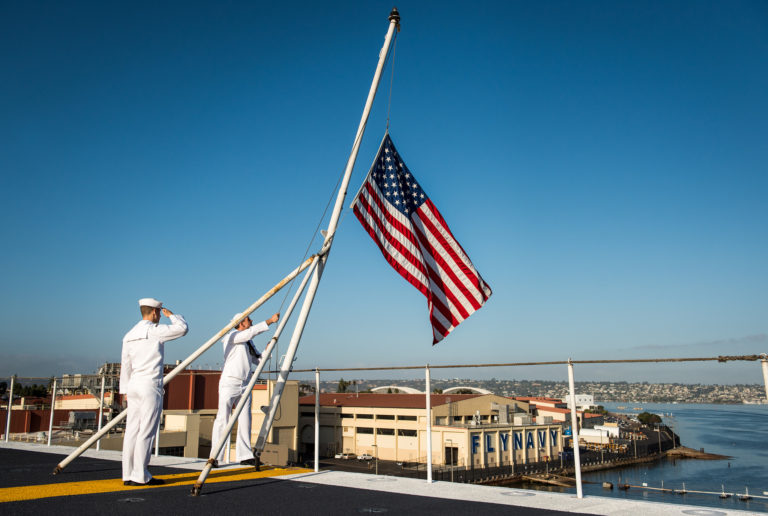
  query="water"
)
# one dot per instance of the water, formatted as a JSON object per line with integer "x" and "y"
{"x": 739, "y": 431}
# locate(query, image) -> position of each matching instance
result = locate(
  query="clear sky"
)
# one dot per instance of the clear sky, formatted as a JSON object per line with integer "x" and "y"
{"x": 603, "y": 163}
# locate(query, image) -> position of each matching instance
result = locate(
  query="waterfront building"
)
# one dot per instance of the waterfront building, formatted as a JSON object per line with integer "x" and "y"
{"x": 467, "y": 429}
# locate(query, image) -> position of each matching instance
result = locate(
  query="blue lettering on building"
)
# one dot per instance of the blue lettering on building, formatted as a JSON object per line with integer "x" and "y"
{"x": 529, "y": 440}
{"x": 488, "y": 444}
{"x": 504, "y": 438}
{"x": 542, "y": 438}
{"x": 475, "y": 443}
{"x": 518, "y": 441}
{"x": 553, "y": 435}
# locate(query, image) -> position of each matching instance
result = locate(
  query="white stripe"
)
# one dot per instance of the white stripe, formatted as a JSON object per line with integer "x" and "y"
{"x": 380, "y": 226}
{"x": 396, "y": 234}
{"x": 435, "y": 243}
{"x": 438, "y": 293}
{"x": 444, "y": 322}
{"x": 446, "y": 279}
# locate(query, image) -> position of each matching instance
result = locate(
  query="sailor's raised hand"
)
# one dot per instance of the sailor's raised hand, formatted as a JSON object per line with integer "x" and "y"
{"x": 167, "y": 312}
{"x": 273, "y": 319}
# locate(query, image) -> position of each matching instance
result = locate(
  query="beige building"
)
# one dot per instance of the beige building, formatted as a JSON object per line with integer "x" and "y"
{"x": 486, "y": 430}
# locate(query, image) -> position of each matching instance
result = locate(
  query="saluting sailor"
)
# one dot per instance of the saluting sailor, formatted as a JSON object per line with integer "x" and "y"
{"x": 239, "y": 357}
{"x": 141, "y": 378}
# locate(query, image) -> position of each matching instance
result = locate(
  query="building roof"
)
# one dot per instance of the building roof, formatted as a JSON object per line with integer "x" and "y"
{"x": 374, "y": 400}
{"x": 534, "y": 399}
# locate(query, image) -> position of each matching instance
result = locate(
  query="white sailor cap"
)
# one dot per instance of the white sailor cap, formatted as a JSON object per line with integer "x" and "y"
{"x": 150, "y": 302}
{"x": 236, "y": 316}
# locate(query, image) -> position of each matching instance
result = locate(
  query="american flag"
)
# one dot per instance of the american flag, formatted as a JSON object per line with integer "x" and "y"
{"x": 416, "y": 241}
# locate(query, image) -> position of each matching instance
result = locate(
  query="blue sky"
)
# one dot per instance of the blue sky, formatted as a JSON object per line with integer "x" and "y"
{"x": 603, "y": 164}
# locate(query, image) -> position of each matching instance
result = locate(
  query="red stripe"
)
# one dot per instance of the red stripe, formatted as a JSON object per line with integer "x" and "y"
{"x": 406, "y": 231}
{"x": 415, "y": 260}
{"x": 437, "y": 287}
{"x": 446, "y": 269}
{"x": 469, "y": 271}
{"x": 424, "y": 289}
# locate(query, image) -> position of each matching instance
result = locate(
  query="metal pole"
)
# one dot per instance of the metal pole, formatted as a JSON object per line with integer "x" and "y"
{"x": 101, "y": 408}
{"x": 317, "y": 420}
{"x": 10, "y": 407}
{"x": 765, "y": 374}
{"x": 183, "y": 365}
{"x": 254, "y": 377}
{"x": 53, "y": 407}
{"x": 429, "y": 427}
{"x": 394, "y": 21}
{"x": 575, "y": 431}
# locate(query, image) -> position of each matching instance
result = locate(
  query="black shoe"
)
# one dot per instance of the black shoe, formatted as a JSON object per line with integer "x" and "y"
{"x": 248, "y": 462}
{"x": 130, "y": 483}
{"x": 155, "y": 482}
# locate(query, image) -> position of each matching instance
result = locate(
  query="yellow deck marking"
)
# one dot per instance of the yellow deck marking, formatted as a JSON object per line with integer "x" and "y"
{"x": 15, "y": 494}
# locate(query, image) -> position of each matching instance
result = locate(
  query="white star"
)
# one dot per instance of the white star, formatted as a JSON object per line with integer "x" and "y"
{"x": 397, "y": 201}
{"x": 391, "y": 176}
{"x": 389, "y": 167}
{"x": 422, "y": 196}
{"x": 386, "y": 149}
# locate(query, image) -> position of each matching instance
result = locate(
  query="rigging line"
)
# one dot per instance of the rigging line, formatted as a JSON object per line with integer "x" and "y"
{"x": 721, "y": 359}
{"x": 391, "y": 79}
{"x": 357, "y": 141}
{"x": 391, "y": 54}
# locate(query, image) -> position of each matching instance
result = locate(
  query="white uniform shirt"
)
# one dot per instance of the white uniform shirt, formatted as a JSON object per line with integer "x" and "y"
{"x": 237, "y": 360}
{"x": 143, "y": 350}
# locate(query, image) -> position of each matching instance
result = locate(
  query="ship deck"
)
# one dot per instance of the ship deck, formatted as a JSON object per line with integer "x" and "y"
{"x": 92, "y": 484}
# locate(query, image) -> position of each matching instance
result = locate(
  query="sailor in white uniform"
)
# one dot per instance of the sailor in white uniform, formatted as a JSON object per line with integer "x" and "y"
{"x": 239, "y": 357}
{"x": 141, "y": 378}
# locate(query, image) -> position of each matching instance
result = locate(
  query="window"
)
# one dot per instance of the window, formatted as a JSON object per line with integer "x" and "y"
{"x": 385, "y": 416}
{"x": 385, "y": 431}
{"x": 364, "y": 430}
{"x": 406, "y": 433}
{"x": 365, "y": 416}
{"x": 458, "y": 418}
{"x": 406, "y": 418}
{"x": 308, "y": 414}
{"x": 347, "y": 416}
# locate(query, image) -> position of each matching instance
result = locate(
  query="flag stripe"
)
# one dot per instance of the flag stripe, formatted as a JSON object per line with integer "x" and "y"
{"x": 401, "y": 244}
{"x": 462, "y": 266}
{"x": 397, "y": 260}
{"x": 446, "y": 259}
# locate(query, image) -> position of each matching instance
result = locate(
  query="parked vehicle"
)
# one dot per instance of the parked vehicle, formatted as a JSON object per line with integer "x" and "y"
{"x": 347, "y": 456}
{"x": 365, "y": 456}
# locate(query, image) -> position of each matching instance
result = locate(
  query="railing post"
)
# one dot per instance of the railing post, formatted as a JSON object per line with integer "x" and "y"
{"x": 53, "y": 408}
{"x": 429, "y": 426}
{"x": 575, "y": 431}
{"x": 10, "y": 407}
{"x": 317, "y": 420}
{"x": 765, "y": 374}
{"x": 101, "y": 408}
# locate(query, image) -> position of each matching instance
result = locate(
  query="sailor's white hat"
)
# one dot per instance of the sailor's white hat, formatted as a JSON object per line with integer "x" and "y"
{"x": 237, "y": 316}
{"x": 150, "y": 302}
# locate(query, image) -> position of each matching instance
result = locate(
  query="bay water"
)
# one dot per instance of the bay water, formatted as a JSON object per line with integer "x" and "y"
{"x": 738, "y": 431}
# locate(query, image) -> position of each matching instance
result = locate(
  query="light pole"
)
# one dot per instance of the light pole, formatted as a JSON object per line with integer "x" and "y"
{"x": 376, "y": 458}
{"x": 450, "y": 447}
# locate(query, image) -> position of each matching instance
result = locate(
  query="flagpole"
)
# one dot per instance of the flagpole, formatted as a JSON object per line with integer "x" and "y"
{"x": 394, "y": 23}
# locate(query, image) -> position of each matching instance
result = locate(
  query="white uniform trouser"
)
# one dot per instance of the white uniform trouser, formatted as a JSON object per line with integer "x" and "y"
{"x": 230, "y": 390}
{"x": 145, "y": 405}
